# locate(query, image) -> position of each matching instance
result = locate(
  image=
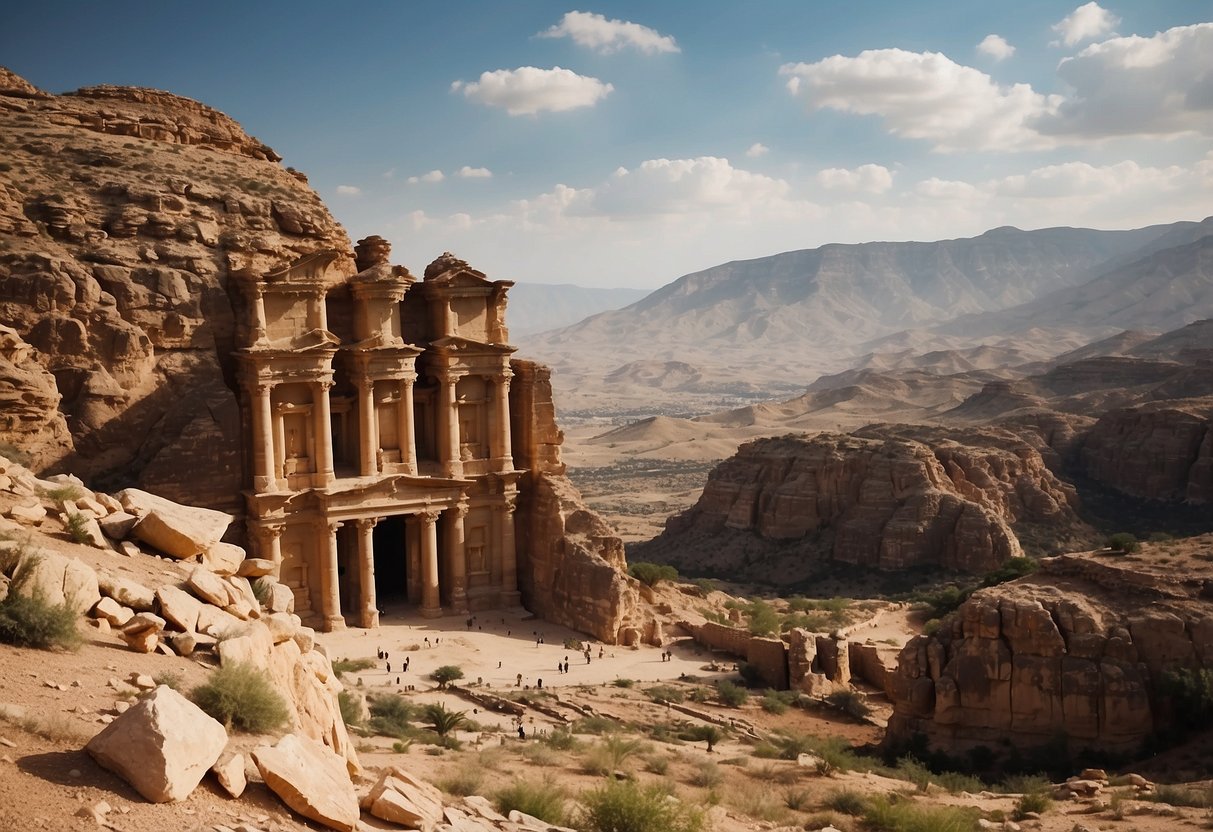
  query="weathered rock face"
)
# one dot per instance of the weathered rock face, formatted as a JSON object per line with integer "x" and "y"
{"x": 571, "y": 563}
{"x": 29, "y": 401}
{"x": 888, "y": 497}
{"x": 1076, "y": 650}
{"x": 124, "y": 212}
{"x": 1160, "y": 450}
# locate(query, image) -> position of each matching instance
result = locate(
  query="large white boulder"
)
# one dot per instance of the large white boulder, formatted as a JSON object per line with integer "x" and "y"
{"x": 179, "y": 607}
{"x": 57, "y": 579}
{"x": 126, "y": 592}
{"x": 310, "y": 779}
{"x": 163, "y": 746}
{"x": 398, "y": 797}
{"x": 177, "y": 530}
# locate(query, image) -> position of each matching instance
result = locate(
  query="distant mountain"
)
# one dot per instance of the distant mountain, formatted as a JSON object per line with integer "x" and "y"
{"x": 535, "y": 307}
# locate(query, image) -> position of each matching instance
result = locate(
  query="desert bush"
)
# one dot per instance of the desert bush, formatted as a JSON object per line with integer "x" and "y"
{"x": 1123, "y": 542}
{"x": 351, "y": 710}
{"x": 535, "y": 798}
{"x": 1191, "y": 694}
{"x": 885, "y": 813}
{"x": 343, "y": 666}
{"x": 1037, "y": 801}
{"x": 700, "y": 695}
{"x": 707, "y": 775}
{"x": 595, "y": 725}
{"x": 846, "y": 801}
{"x": 709, "y": 734}
{"x": 540, "y": 755}
{"x": 763, "y": 620}
{"x": 560, "y": 739}
{"x": 466, "y": 780}
{"x": 263, "y": 589}
{"x": 77, "y": 529}
{"x": 441, "y": 720}
{"x": 170, "y": 678}
{"x": 657, "y": 764}
{"x": 623, "y": 806}
{"x": 652, "y": 574}
{"x": 390, "y": 715}
{"x": 730, "y": 694}
{"x": 664, "y": 693}
{"x": 1016, "y": 567}
{"x": 849, "y": 702}
{"x": 32, "y": 621}
{"x": 773, "y": 703}
{"x": 796, "y": 799}
{"x": 1181, "y": 796}
{"x": 446, "y": 674}
{"x": 623, "y": 683}
{"x": 70, "y": 491}
{"x": 241, "y": 696}
{"x": 610, "y": 755}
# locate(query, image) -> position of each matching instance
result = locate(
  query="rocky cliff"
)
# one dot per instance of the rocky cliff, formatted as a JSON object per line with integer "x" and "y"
{"x": 1158, "y": 450}
{"x": 889, "y": 497}
{"x": 123, "y": 214}
{"x": 1076, "y": 652}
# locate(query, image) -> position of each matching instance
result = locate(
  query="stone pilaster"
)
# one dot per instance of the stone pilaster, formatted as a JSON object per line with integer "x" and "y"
{"x": 499, "y": 448}
{"x": 260, "y": 328}
{"x": 446, "y": 419}
{"x": 510, "y": 596}
{"x": 330, "y": 590}
{"x": 430, "y": 604}
{"x": 368, "y": 609}
{"x": 368, "y": 428}
{"x": 265, "y": 463}
{"x": 269, "y": 544}
{"x": 406, "y": 429}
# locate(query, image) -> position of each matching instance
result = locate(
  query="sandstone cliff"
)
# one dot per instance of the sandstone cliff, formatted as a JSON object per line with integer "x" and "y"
{"x": 1075, "y": 651}
{"x": 889, "y": 497}
{"x": 571, "y": 562}
{"x": 123, "y": 214}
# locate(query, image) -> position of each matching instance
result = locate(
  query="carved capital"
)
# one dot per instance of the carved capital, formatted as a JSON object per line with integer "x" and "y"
{"x": 324, "y": 384}
{"x": 429, "y": 516}
{"x": 449, "y": 376}
{"x": 272, "y": 531}
{"x": 263, "y": 388}
{"x": 365, "y": 524}
{"x": 508, "y": 505}
{"x": 333, "y": 526}
{"x": 502, "y": 377}
{"x": 459, "y": 510}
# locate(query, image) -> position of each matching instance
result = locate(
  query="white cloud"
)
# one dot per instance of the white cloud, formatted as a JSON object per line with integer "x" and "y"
{"x": 872, "y": 179}
{"x": 348, "y": 190}
{"x": 529, "y": 90}
{"x": 925, "y": 95}
{"x": 1150, "y": 86}
{"x": 1087, "y": 22}
{"x": 996, "y": 47}
{"x": 390, "y": 173}
{"x": 432, "y": 176}
{"x": 468, "y": 172}
{"x": 757, "y": 149}
{"x": 950, "y": 189}
{"x": 595, "y": 32}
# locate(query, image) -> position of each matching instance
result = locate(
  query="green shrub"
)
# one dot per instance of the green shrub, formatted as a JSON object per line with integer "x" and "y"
{"x": 849, "y": 702}
{"x": 32, "y": 621}
{"x": 535, "y": 798}
{"x": 707, "y": 775}
{"x": 774, "y": 703}
{"x": 343, "y": 666}
{"x": 709, "y": 734}
{"x": 885, "y": 813}
{"x": 1014, "y": 568}
{"x": 560, "y": 739}
{"x": 170, "y": 678}
{"x": 1036, "y": 802}
{"x": 664, "y": 693}
{"x": 351, "y": 710}
{"x": 657, "y": 764}
{"x": 77, "y": 529}
{"x": 263, "y": 589}
{"x": 730, "y": 694}
{"x": 446, "y": 674}
{"x": 652, "y": 574}
{"x": 763, "y": 620}
{"x": 1122, "y": 542}
{"x": 390, "y": 715}
{"x": 1181, "y": 796}
{"x": 623, "y": 806}
{"x": 846, "y": 801}
{"x": 441, "y": 720}
{"x": 701, "y": 695}
{"x": 595, "y": 725}
{"x": 610, "y": 755}
{"x": 70, "y": 491}
{"x": 796, "y": 799}
{"x": 1191, "y": 694}
{"x": 465, "y": 781}
{"x": 623, "y": 683}
{"x": 241, "y": 696}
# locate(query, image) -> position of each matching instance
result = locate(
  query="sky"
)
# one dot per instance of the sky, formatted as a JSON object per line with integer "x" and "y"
{"x": 628, "y": 143}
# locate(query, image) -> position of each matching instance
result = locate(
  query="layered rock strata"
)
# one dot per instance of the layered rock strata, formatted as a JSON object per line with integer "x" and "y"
{"x": 887, "y": 498}
{"x": 1076, "y": 651}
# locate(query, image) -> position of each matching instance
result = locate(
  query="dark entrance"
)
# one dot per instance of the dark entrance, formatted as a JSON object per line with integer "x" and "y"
{"x": 391, "y": 560}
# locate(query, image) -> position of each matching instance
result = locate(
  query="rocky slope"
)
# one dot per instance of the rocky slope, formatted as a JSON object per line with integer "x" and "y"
{"x": 123, "y": 214}
{"x": 889, "y": 497}
{"x": 1075, "y": 654}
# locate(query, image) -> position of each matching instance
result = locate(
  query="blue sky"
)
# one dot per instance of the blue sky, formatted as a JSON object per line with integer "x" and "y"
{"x": 625, "y": 144}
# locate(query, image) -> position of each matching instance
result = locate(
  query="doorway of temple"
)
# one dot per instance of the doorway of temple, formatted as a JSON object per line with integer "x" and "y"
{"x": 390, "y": 541}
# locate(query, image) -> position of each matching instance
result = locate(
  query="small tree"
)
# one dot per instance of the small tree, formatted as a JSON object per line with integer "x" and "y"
{"x": 446, "y": 674}
{"x": 710, "y": 734}
{"x": 1122, "y": 542}
{"x": 441, "y": 720}
{"x": 652, "y": 574}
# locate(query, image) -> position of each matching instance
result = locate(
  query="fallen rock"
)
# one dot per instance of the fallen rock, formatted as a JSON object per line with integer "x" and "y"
{"x": 112, "y": 612}
{"x": 163, "y": 746}
{"x": 255, "y": 568}
{"x": 29, "y": 513}
{"x": 177, "y": 530}
{"x": 57, "y": 578}
{"x": 398, "y": 797}
{"x": 142, "y": 632}
{"x": 126, "y": 592}
{"x": 223, "y": 558}
{"x": 229, "y": 771}
{"x": 311, "y": 780}
{"x": 118, "y": 524}
{"x": 179, "y": 607}
{"x": 281, "y": 598}
{"x": 210, "y": 588}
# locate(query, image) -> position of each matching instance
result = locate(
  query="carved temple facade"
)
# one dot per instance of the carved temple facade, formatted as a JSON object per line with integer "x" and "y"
{"x": 380, "y": 456}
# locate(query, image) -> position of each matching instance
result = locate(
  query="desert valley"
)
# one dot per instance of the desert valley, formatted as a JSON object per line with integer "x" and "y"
{"x": 857, "y": 537}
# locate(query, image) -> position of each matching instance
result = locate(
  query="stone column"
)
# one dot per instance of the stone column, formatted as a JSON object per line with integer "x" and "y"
{"x": 330, "y": 588}
{"x": 269, "y": 545}
{"x": 260, "y": 327}
{"x": 368, "y": 428}
{"x": 430, "y": 605}
{"x": 510, "y": 596}
{"x": 446, "y": 419}
{"x": 499, "y": 448}
{"x": 368, "y": 609}
{"x": 406, "y": 429}
{"x": 323, "y": 429}
{"x": 456, "y": 556}
{"x": 265, "y": 463}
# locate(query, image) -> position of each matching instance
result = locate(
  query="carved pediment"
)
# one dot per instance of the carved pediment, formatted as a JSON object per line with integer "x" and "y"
{"x": 324, "y": 268}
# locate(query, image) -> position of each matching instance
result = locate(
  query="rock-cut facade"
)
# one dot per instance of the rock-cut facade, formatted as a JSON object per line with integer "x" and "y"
{"x": 377, "y": 411}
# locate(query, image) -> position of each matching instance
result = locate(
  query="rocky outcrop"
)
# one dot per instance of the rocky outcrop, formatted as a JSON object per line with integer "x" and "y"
{"x": 29, "y": 402}
{"x": 890, "y": 497}
{"x": 571, "y": 562}
{"x": 1076, "y": 650}
{"x": 163, "y": 746}
{"x": 1159, "y": 450}
{"x": 124, "y": 213}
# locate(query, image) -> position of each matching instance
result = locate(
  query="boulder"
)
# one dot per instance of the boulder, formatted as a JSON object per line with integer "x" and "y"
{"x": 210, "y": 588}
{"x": 56, "y": 578}
{"x": 398, "y": 797}
{"x": 113, "y": 612}
{"x": 179, "y": 607}
{"x": 310, "y": 779}
{"x": 142, "y": 632}
{"x": 118, "y": 524}
{"x": 126, "y": 592}
{"x": 28, "y": 513}
{"x": 256, "y": 567}
{"x": 281, "y": 598}
{"x": 177, "y": 530}
{"x": 229, "y": 771}
{"x": 223, "y": 558}
{"x": 163, "y": 746}
{"x": 89, "y": 530}
{"x": 213, "y": 621}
